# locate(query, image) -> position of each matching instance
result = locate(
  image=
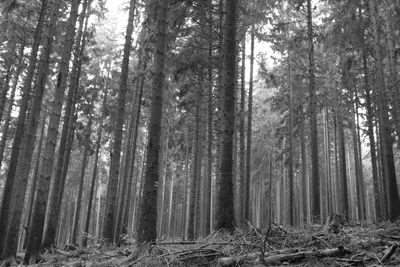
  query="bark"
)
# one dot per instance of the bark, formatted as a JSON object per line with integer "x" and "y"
{"x": 342, "y": 166}
{"x": 242, "y": 140}
{"x": 77, "y": 213}
{"x": 208, "y": 181}
{"x": 359, "y": 182}
{"x": 249, "y": 130}
{"x": 4, "y": 87}
{"x": 315, "y": 210}
{"x": 124, "y": 177}
{"x": 393, "y": 75}
{"x": 19, "y": 131}
{"x": 291, "y": 151}
{"x": 303, "y": 167}
{"x": 111, "y": 199}
{"x": 147, "y": 225}
{"x": 94, "y": 173}
{"x": 133, "y": 181}
{"x": 28, "y": 142}
{"x": 384, "y": 125}
{"x": 7, "y": 118}
{"x": 33, "y": 182}
{"x": 224, "y": 215}
{"x": 194, "y": 185}
{"x": 64, "y": 148}
{"x": 371, "y": 137}
{"x": 43, "y": 183}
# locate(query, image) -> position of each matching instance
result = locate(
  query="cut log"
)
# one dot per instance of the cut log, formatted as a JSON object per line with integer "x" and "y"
{"x": 275, "y": 257}
{"x": 306, "y": 254}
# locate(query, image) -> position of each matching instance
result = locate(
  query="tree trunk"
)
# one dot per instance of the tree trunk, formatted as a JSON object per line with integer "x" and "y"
{"x": 67, "y": 136}
{"x": 19, "y": 131}
{"x": 95, "y": 167}
{"x": 242, "y": 140}
{"x": 77, "y": 213}
{"x": 43, "y": 183}
{"x": 147, "y": 227}
{"x": 303, "y": 167}
{"x": 291, "y": 150}
{"x": 111, "y": 199}
{"x": 35, "y": 175}
{"x": 7, "y": 118}
{"x": 4, "y": 87}
{"x": 315, "y": 211}
{"x": 133, "y": 182}
{"x": 393, "y": 75}
{"x": 384, "y": 125}
{"x": 370, "y": 131}
{"x": 124, "y": 177}
{"x": 249, "y": 129}
{"x": 28, "y": 143}
{"x": 196, "y": 177}
{"x": 342, "y": 166}
{"x": 208, "y": 182}
{"x": 224, "y": 215}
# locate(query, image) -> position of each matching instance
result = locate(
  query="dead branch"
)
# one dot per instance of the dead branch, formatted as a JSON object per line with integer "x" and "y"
{"x": 389, "y": 253}
{"x": 305, "y": 254}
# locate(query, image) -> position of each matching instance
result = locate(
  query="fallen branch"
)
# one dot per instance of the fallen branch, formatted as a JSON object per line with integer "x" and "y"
{"x": 205, "y": 244}
{"x": 389, "y": 253}
{"x": 322, "y": 240}
{"x": 304, "y": 254}
{"x": 272, "y": 257}
{"x": 389, "y": 236}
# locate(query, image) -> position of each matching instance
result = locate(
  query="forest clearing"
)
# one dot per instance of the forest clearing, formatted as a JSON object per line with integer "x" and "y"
{"x": 199, "y": 133}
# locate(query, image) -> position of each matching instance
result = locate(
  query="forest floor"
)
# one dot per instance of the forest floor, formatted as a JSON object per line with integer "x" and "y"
{"x": 332, "y": 244}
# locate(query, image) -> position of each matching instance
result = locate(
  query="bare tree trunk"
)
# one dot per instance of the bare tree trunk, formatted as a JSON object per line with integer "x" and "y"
{"x": 208, "y": 182}
{"x": 33, "y": 182}
{"x": 7, "y": 118}
{"x": 95, "y": 167}
{"x": 19, "y": 131}
{"x": 291, "y": 150}
{"x": 384, "y": 125}
{"x": 147, "y": 228}
{"x": 43, "y": 183}
{"x": 242, "y": 141}
{"x": 195, "y": 169}
{"x": 26, "y": 151}
{"x": 109, "y": 215}
{"x": 316, "y": 216}
{"x": 303, "y": 167}
{"x": 67, "y": 135}
{"x": 370, "y": 124}
{"x": 77, "y": 213}
{"x": 224, "y": 214}
{"x": 342, "y": 166}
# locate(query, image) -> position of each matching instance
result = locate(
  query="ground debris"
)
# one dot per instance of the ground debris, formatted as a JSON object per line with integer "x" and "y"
{"x": 276, "y": 245}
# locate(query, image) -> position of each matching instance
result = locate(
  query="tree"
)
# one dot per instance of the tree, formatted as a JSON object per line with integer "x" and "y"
{"x": 313, "y": 119}
{"x": 389, "y": 170}
{"x": 147, "y": 225}
{"x": 18, "y": 135}
{"x": 43, "y": 183}
{"x": 109, "y": 214}
{"x": 65, "y": 145}
{"x": 224, "y": 215}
